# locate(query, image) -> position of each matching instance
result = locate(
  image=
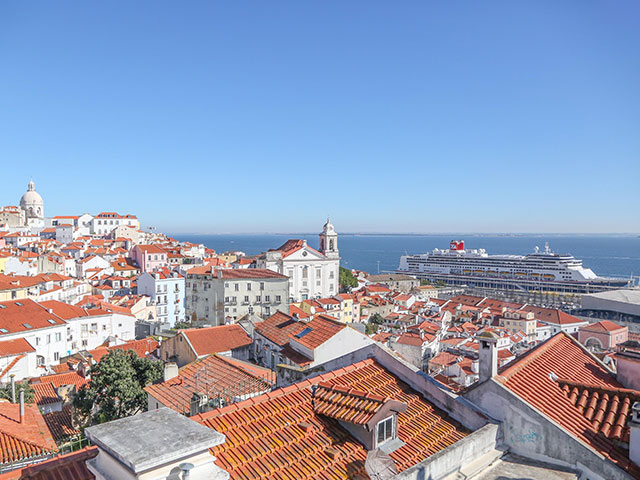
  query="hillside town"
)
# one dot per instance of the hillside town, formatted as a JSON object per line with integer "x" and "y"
{"x": 286, "y": 365}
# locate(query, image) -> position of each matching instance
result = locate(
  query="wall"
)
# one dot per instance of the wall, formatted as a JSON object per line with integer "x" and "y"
{"x": 177, "y": 349}
{"x": 530, "y": 434}
{"x": 454, "y": 457}
{"x": 628, "y": 371}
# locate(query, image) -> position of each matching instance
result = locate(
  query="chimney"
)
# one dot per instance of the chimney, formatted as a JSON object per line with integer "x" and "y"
{"x": 634, "y": 438}
{"x": 21, "y": 406}
{"x": 488, "y": 361}
{"x": 170, "y": 371}
{"x": 13, "y": 388}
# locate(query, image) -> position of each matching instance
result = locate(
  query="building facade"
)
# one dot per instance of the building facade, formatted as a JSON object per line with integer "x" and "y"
{"x": 312, "y": 273}
{"x": 216, "y": 297}
{"x": 166, "y": 290}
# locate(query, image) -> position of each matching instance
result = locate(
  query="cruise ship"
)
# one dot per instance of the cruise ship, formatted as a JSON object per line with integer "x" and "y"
{"x": 540, "y": 271}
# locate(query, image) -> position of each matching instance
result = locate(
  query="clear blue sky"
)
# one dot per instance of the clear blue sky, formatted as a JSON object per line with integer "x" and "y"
{"x": 266, "y": 116}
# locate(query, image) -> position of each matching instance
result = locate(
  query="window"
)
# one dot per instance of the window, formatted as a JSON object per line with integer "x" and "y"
{"x": 37, "y": 341}
{"x": 39, "y": 360}
{"x": 331, "y": 274}
{"x": 236, "y": 287}
{"x": 277, "y": 298}
{"x": 385, "y": 430}
{"x": 246, "y": 298}
{"x": 248, "y": 287}
{"x": 58, "y": 337}
{"x": 267, "y": 298}
{"x": 56, "y": 356}
{"x": 258, "y": 299}
{"x": 261, "y": 285}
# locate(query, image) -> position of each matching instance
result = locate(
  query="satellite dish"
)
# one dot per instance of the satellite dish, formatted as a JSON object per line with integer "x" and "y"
{"x": 379, "y": 465}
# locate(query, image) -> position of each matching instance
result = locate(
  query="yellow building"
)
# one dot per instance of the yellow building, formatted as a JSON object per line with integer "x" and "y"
{"x": 520, "y": 321}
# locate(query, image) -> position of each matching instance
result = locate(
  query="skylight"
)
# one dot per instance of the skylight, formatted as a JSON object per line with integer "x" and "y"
{"x": 26, "y": 325}
{"x": 52, "y": 321}
{"x": 4, "y": 330}
{"x": 304, "y": 332}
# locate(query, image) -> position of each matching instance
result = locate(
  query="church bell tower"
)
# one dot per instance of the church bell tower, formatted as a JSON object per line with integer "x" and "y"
{"x": 329, "y": 241}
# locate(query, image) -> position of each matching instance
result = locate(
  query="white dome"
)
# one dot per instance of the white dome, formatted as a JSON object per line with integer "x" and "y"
{"x": 32, "y": 203}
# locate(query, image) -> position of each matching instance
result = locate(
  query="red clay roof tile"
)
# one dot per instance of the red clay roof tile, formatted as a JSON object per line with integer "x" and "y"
{"x": 529, "y": 377}
{"x": 278, "y": 435}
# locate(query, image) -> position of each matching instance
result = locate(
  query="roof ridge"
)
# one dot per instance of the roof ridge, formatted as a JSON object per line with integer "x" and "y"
{"x": 345, "y": 390}
{"x": 278, "y": 392}
{"x": 598, "y": 388}
{"x": 524, "y": 360}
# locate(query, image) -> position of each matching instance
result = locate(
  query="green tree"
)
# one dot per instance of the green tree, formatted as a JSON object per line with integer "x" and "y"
{"x": 116, "y": 388}
{"x": 5, "y": 391}
{"x": 377, "y": 319}
{"x": 371, "y": 328}
{"x": 347, "y": 280}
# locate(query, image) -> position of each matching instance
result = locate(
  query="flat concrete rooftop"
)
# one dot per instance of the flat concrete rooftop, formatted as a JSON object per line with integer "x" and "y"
{"x": 153, "y": 438}
{"x": 512, "y": 467}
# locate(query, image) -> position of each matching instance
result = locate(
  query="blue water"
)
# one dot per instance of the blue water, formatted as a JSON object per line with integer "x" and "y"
{"x": 607, "y": 255}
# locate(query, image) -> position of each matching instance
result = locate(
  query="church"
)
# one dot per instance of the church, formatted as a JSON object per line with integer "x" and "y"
{"x": 312, "y": 273}
{"x": 30, "y": 213}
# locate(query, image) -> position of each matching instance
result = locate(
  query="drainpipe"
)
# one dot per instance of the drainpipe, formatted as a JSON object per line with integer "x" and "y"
{"x": 21, "y": 406}
{"x": 13, "y": 388}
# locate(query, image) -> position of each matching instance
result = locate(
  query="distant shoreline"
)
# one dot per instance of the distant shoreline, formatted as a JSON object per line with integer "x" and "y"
{"x": 454, "y": 234}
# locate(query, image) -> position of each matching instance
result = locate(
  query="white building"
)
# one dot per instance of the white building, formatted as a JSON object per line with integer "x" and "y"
{"x": 312, "y": 273}
{"x": 45, "y": 331}
{"x": 215, "y": 296}
{"x": 167, "y": 292}
{"x": 105, "y": 222}
{"x": 88, "y": 329}
{"x": 33, "y": 206}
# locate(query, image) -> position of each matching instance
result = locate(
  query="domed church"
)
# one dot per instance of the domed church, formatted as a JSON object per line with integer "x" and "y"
{"x": 32, "y": 205}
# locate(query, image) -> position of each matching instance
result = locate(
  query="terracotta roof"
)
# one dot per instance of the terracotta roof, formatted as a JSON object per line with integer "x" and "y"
{"x": 292, "y": 246}
{"x": 24, "y": 315}
{"x": 60, "y": 424}
{"x": 64, "y": 310}
{"x": 21, "y": 440}
{"x": 71, "y": 466}
{"x": 215, "y": 375}
{"x": 142, "y": 348}
{"x": 529, "y": 377}
{"x": 345, "y": 403}
{"x": 250, "y": 273}
{"x": 278, "y": 435}
{"x": 59, "y": 379}
{"x": 16, "y": 346}
{"x": 45, "y": 393}
{"x": 317, "y": 331}
{"x": 223, "y": 338}
{"x": 150, "y": 249}
{"x": 550, "y": 315}
{"x": 608, "y": 409}
{"x": 278, "y": 328}
{"x": 603, "y": 326}
{"x": 445, "y": 359}
{"x": 414, "y": 339}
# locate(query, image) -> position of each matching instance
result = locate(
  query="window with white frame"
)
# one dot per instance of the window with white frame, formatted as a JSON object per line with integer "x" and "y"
{"x": 384, "y": 431}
